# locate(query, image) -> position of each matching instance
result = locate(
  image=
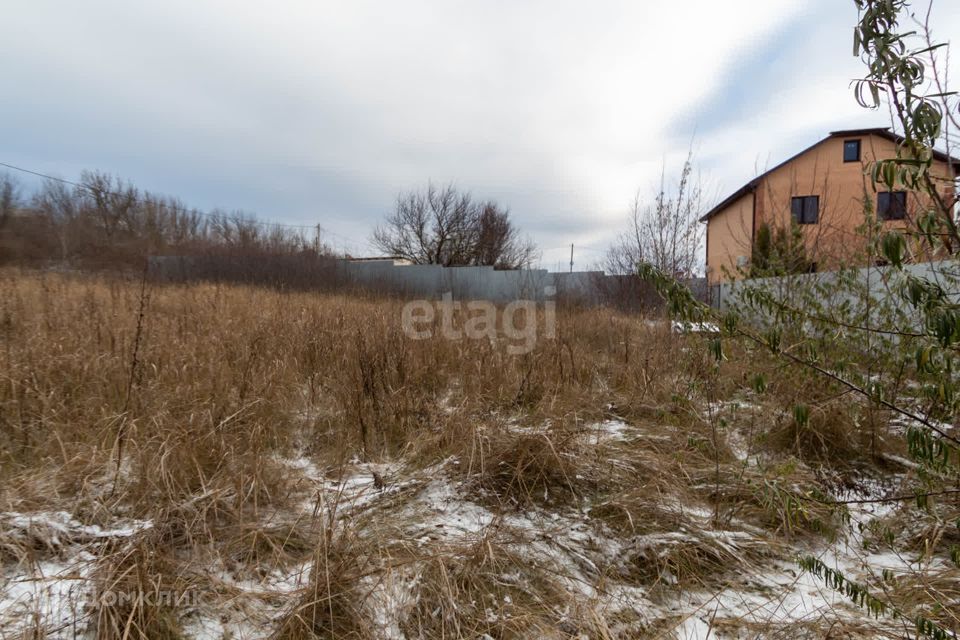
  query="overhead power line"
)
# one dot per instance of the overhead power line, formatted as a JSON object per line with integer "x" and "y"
{"x": 206, "y": 214}
{"x": 566, "y": 247}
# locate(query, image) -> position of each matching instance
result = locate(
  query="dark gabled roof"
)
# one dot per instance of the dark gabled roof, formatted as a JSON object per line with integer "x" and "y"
{"x": 883, "y": 132}
{"x": 750, "y": 187}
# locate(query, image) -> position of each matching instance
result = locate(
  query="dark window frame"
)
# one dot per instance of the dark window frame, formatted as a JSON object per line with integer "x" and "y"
{"x": 884, "y": 208}
{"x": 859, "y": 144}
{"x": 805, "y": 209}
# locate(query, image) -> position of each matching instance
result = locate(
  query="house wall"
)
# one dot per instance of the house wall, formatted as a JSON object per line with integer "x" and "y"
{"x": 841, "y": 186}
{"x": 729, "y": 236}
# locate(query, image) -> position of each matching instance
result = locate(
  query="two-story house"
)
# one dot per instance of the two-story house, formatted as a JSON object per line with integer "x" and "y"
{"x": 823, "y": 190}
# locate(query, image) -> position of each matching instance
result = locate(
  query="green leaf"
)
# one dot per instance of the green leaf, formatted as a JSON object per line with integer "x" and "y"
{"x": 759, "y": 383}
{"x": 801, "y": 414}
{"x": 894, "y": 248}
{"x": 716, "y": 348}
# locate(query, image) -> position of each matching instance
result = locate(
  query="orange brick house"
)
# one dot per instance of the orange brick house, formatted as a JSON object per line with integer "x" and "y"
{"x": 822, "y": 189}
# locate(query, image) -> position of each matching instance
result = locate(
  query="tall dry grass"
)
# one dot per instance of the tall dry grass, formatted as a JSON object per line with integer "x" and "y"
{"x": 183, "y": 404}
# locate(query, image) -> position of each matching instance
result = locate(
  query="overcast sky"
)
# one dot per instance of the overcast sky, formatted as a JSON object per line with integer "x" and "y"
{"x": 320, "y": 112}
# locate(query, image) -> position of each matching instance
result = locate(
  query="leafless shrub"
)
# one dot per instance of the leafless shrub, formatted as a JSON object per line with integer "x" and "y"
{"x": 667, "y": 233}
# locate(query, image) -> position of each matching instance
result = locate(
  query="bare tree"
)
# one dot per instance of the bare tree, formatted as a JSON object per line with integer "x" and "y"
{"x": 58, "y": 205}
{"x": 111, "y": 201}
{"x": 666, "y": 233}
{"x": 9, "y": 198}
{"x": 498, "y": 241}
{"x": 445, "y": 226}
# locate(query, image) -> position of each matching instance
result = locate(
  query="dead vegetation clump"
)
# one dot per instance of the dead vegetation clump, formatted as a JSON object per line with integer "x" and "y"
{"x": 260, "y": 547}
{"x": 820, "y": 423}
{"x": 926, "y": 533}
{"x": 652, "y": 495}
{"x": 515, "y": 470}
{"x": 140, "y": 588}
{"x": 636, "y": 512}
{"x": 827, "y": 435}
{"x": 785, "y": 499}
{"x": 331, "y": 605}
{"x": 694, "y": 559}
{"x": 483, "y": 589}
{"x": 933, "y": 594}
{"x": 816, "y": 627}
{"x": 24, "y": 539}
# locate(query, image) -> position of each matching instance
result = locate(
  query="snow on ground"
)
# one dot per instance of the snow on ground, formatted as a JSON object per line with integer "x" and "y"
{"x": 580, "y": 554}
{"x": 429, "y": 507}
{"x": 253, "y": 605}
{"x": 612, "y": 430}
{"x": 391, "y": 594}
{"x": 784, "y": 595}
{"x": 57, "y": 528}
{"x": 51, "y": 590}
{"x": 441, "y": 512}
{"x": 679, "y": 326}
{"x": 47, "y": 594}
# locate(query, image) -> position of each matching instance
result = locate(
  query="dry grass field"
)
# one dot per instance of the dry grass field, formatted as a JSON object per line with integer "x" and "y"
{"x": 218, "y": 461}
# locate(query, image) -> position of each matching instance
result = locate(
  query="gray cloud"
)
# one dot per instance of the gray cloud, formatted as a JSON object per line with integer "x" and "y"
{"x": 320, "y": 112}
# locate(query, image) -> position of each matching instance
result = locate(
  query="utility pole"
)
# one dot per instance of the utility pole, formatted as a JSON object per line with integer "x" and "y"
{"x": 571, "y": 257}
{"x": 316, "y": 242}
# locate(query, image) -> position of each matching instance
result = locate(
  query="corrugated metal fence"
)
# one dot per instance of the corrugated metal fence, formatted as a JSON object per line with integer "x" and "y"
{"x": 415, "y": 281}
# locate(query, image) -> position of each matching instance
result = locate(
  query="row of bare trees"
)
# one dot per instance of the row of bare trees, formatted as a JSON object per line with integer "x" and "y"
{"x": 104, "y": 221}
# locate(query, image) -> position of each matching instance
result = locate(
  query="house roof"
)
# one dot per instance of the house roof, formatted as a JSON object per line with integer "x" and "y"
{"x": 883, "y": 132}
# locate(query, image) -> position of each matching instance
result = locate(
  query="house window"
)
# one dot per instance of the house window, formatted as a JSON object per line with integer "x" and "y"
{"x": 892, "y": 205}
{"x": 851, "y": 151}
{"x": 805, "y": 209}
